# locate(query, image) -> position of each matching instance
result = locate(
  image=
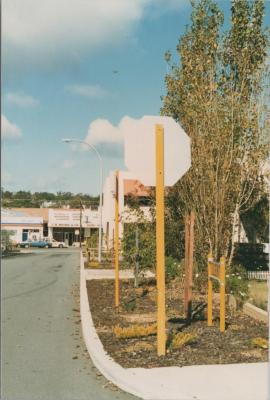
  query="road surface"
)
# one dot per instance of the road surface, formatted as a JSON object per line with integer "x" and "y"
{"x": 43, "y": 354}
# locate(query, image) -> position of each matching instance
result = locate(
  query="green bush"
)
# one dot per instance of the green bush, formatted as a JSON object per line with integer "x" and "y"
{"x": 251, "y": 256}
{"x": 237, "y": 283}
{"x": 145, "y": 254}
{"x": 7, "y": 245}
{"x": 173, "y": 268}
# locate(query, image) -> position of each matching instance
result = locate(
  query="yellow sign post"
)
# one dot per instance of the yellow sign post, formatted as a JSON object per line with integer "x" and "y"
{"x": 146, "y": 152}
{"x": 189, "y": 248}
{"x": 216, "y": 271}
{"x": 116, "y": 241}
{"x": 160, "y": 275}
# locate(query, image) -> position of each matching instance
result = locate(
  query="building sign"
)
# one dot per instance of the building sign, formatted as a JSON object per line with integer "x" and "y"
{"x": 71, "y": 218}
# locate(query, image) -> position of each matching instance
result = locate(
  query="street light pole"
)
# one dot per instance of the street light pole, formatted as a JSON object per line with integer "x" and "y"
{"x": 100, "y": 191}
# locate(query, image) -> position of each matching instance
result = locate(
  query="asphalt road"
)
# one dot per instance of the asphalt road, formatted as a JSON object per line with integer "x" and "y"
{"x": 43, "y": 353}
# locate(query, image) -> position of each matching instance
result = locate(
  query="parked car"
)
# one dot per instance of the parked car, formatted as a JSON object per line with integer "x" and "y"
{"x": 55, "y": 243}
{"x": 38, "y": 243}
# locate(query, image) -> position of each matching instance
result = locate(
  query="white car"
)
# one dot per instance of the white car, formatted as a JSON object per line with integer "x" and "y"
{"x": 55, "y": 243}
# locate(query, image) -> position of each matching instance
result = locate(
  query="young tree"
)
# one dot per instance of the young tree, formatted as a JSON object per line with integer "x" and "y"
{"x": 139, "y": 242}
{"x": 214, "y": 94}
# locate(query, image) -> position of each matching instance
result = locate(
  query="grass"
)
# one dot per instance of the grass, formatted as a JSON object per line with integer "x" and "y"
{"x": 258, "y": 294}
{"x": 260, "y": 342}
{"x": 134, "y": 331}
{"x": 139, "y": 346}
{"x": 182, "y": 339}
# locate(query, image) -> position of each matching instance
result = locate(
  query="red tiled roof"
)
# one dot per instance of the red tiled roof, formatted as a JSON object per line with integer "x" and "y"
{"x": 135, "y": 188}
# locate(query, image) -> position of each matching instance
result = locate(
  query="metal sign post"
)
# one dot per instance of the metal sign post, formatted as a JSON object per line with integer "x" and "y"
{"x": 160, "y": 275}
{"x": 116, "y": 240}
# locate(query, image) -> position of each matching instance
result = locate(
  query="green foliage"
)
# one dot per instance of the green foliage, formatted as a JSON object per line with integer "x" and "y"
{"x": 173, "y": 268}
{"x": 174, "y": 225}
{"x": 130, "y": 305}
{"x": 6, "y": 242}
{"x": 35, "y": 200}
{"x": 237, "y": 283}
{"x": 245, "y": 44}
{"x": 256, "y": 221}
{"x": 92, "y": 241}
{"x": 251, "y": 256}
{"x": 216, "y": 93}
{"x": 200, "y": 277}
{"x": 145, "y": 253}
{"x": 138, "y": 243}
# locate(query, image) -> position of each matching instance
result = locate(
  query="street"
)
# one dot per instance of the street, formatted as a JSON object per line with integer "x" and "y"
{"x": 43, "y": 353}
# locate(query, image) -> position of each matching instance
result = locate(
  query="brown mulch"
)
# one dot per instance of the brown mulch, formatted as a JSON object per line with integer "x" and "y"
{"x": 138, "y": 306}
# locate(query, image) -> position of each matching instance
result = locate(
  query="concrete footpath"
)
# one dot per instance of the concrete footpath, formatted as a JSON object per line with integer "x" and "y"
{"x": 205, "y": 382}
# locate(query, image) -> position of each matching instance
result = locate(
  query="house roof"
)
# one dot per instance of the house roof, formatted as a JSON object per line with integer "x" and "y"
{"x": 32, "y": 212}
{"x": 135, "y": 188}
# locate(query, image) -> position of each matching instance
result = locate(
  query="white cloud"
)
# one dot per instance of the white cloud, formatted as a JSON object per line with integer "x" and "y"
{"x": 107, "y": 137}
{"x": 64, "y": 28}
{"x": 102, "y": 131}
{"x": 68, "y": 164}
{"x": 9, "y": 130}
{"x": 21, "y": 99}
{"x": 91, "y": 91}
{"x": 38, "y": 31}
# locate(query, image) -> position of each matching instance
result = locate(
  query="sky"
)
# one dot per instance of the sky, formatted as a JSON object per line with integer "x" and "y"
{"x": 80, "y": 69}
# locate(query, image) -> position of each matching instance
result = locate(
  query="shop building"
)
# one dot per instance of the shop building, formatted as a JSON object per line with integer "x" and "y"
{"x": 21, "y": 226}
{"x": 35, "y": 212}
{"x": 65, "y": 225}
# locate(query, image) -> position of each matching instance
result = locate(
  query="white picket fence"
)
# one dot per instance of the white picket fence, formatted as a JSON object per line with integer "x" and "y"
{"x": 259, "y": 275}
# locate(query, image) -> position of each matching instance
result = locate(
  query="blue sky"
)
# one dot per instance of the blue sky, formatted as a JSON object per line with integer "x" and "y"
{"x": 76, "y": 69}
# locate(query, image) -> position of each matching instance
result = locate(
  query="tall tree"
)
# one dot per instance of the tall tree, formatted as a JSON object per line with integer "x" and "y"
{"x": 215, "y": 98}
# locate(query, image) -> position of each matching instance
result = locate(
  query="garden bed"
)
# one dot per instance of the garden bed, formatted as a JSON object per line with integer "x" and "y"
{"x": 207, "y": 345}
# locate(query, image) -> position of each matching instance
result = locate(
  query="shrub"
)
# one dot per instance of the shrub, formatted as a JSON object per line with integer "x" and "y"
{"x": 134, "y": 331}
{"x": 173, "y": 268}
{"x": 130, "y": 305}
{"x": 237, "y": 283}
{"x": 260, "y": 342}
{"x": 252, "y": 256}
{"x": 181, "y": 339}
{"x": 7, "y": 245}
{"x": 199, "y": 276}
{"x": 140, "y": 346}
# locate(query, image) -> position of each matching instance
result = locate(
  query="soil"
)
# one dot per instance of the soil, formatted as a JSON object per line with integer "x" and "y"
{"x": 138, "y": 306}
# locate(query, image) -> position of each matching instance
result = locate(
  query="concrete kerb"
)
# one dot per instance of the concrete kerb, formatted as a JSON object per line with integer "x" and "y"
{"x": 205, "y": 382}
{"x": 105, "y": 364}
